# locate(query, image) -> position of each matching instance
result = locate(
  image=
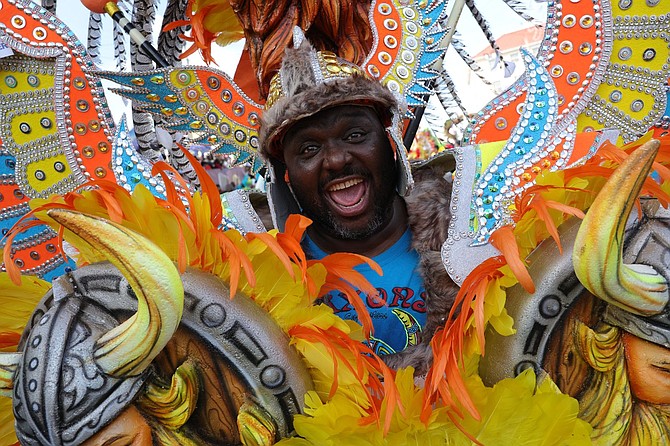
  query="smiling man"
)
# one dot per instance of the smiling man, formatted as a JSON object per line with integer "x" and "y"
{"x": 332, "y": 139}
{"x": 341, "y": 169}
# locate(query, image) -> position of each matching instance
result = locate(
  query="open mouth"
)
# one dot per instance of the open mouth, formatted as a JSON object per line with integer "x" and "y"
{"x": 349, "y": 196}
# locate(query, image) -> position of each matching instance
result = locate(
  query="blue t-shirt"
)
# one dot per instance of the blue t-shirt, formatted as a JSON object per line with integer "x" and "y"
{"x": 397, "y": 323}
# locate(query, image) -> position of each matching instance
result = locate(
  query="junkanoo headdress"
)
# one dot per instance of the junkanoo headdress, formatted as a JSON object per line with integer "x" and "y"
{"x": 214, "y": 110}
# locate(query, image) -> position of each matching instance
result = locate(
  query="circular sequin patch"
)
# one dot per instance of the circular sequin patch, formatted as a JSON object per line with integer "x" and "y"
{"x": 625, "y": 53}
{"x": 637, "y": 105}
{"x": 649, "y": 54}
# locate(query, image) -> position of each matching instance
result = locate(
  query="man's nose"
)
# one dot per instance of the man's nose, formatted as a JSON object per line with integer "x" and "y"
{"x": 336, "y": 157}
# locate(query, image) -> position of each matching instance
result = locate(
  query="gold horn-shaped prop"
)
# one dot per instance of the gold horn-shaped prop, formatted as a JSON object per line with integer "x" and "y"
{"x": 8, "y": 364}
{"x": 128, "y": 349}
{"x": 598, "y": 250}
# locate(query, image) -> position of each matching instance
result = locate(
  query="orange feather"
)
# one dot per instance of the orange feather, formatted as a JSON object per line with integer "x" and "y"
{"x": 208, "y": 187}
{"x": 444, "y": 380}
{"x": 375, "y": 377}
{"x": 275, "y": 246}
{"x": 504, "y": 241}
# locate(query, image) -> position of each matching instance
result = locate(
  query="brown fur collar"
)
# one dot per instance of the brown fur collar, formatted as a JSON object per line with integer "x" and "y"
{"x": 429, "y": 217}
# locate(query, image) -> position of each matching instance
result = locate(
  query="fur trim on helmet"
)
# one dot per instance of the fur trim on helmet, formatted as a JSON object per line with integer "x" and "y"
{"x": 308, "y": 101}
{"x": 309, "y": 82}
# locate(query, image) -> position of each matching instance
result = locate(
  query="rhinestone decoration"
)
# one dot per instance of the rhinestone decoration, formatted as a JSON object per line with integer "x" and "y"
{"x": 586, "y": 21}
{"x": 569, "y": 21}
{"x": 38, "y": 128}
{"x": 46, "y": 123}
{"x": 501, "y": 123}
{"x": 638, "y": 85}
{"x": 52, "y": 136}
{"x": 621, "y": 51}
{"x": 501, "y": 180}
{"x": 184, "y": 77}
{"x": 39, "y": 33}
{"x": 213, "y": 83}
{"x": 78, "y": 83}
{"x": 565, "y": 47}
{"x": 649, "y": 54}
{"x": 18, "y": 22}
{"x": 33, "y": 80}
{"x": 10, "y": 81}
{"x": 585, "y": 48}
{"x": 616, "y": 95}
{"x": 131, "y": 170}
{"x": 399, "y": 59}
{"x": 212, "y": 118}
{"x": 637, "y": 105}
{"x": 625, "y": 53}
{"x": 572, "y": 78}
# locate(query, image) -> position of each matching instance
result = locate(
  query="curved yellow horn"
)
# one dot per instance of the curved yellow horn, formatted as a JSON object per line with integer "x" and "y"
{"x": 598, "y": 251}
{"x": 128, "y": 349}
{"x": 8, "y": 364}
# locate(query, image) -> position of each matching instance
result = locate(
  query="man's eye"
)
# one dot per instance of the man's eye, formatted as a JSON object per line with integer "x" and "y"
{"x": 353, "y": 136}
{"x": 309, "y": 149}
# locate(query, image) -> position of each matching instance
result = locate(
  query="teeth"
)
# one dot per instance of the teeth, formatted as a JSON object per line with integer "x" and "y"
{"x": 344, "y": 185}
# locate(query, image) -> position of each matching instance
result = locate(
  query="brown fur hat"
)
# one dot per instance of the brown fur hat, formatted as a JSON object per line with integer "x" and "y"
{"x": 309, "y": 82}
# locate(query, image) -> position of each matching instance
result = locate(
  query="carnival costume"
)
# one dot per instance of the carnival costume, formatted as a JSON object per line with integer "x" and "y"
{"x": 316, "y": 383}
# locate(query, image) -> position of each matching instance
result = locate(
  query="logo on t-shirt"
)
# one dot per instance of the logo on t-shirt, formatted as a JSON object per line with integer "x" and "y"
{"x": 397, "y": 317}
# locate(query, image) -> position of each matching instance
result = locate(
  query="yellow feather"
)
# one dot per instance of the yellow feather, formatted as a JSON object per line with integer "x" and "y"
{"x": 18, "y": 302}
{"x": 516, "y": 411}
{"x": 7, "y": 434}
{"x": 319, "y": 357}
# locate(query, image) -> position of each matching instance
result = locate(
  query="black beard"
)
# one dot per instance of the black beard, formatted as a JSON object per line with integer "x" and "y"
{"x": 321, "y": 214}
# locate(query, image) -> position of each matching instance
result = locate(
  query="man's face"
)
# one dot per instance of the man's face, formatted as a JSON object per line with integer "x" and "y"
{"x": 342, "y": 171}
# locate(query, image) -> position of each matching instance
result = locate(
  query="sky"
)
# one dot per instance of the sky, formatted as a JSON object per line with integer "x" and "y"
{"x": 501, "y": 19}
